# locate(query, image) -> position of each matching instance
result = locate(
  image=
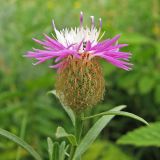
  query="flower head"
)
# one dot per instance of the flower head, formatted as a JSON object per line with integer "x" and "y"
{"x": 77, "y": 42}
{"x": 76, "y": 51}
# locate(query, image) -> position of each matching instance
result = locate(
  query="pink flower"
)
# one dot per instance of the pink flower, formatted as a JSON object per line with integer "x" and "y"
{"x": 80, "y": 42}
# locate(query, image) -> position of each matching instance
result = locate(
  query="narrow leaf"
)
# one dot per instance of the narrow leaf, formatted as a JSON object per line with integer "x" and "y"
{"x": 67, "y": 109}
{"x": 62, "y": 151}
{"x": 56, "y": 151}
{"x": 92, "y": 134}
{"x": 50, "y": 148}
{"x": 61, "y": 133}
{"x": 20, "y": 142}
{"x": 120, "y": 113}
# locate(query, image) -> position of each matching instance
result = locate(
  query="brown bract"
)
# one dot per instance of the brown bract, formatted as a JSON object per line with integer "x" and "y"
{"x": 80, "y": 83}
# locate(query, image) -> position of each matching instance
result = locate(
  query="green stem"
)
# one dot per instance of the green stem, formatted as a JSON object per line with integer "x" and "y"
{"x": 73, "y": 148}
{"x": 78, "y": 133}
{"x": 78, "y": 128}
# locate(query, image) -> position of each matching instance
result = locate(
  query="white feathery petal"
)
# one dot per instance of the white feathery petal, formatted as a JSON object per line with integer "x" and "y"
{"x": 76, "y": 35}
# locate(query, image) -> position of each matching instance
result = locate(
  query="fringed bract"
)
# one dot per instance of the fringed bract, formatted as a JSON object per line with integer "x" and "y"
{"x": 80, "y": 84}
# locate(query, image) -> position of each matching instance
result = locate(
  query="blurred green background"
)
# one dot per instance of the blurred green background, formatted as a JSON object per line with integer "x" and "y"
{"x": 25, "y": 108}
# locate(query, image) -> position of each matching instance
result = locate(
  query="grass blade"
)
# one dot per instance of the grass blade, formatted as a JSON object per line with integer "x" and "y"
{"x": 20, "y": 142}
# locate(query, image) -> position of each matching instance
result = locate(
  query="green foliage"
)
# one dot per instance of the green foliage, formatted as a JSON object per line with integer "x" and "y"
{"x": 21, "y": 143}
{"x": 23, "y": 87}
{"x": 61, "y": 133}
{"x": 143, "y": 137}
{"x": 66, "y": 108}
{"x": 50, "y": 148}
{"x": 93, "y": 132}
{"x": 119, "y": 113}
{"x": 56, "y": 151}
{"x": 105, "y": 150}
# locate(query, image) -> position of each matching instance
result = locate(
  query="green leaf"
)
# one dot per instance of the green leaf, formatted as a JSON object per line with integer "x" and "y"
{"x": 67, "y": 109}
{"x": 144, "y": 136}
{"x": 106, "y": 150}
{"x": 95, "y": 130}
{"x": 56, "y": 151}
{"x": 62, "y": 150}
{"x": 60, "y": 133}
{"x": 50, "y": 148}
{"x": 20, "y": 142}
{"x": 120, "y": 113}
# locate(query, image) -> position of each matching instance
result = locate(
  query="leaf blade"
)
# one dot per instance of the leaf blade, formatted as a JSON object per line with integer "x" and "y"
{"x": 120, "y": 113}
{"x": 50, "y": 148}
{"x": 143, "y": 136}
{"x": 94, "y": 132}
{"x": 67, "y": 109}
{"x": 62, "y": 150}
{"x": 61, "y": 133}
{"x": 20, "y": 142}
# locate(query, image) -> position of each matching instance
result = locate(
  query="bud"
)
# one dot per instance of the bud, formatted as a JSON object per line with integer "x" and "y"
{"x": 80, "y": 84}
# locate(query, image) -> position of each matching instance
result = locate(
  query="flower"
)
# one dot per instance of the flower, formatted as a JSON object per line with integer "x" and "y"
{"x": 77, "y": 42}
{"x": 80, "y": 82}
